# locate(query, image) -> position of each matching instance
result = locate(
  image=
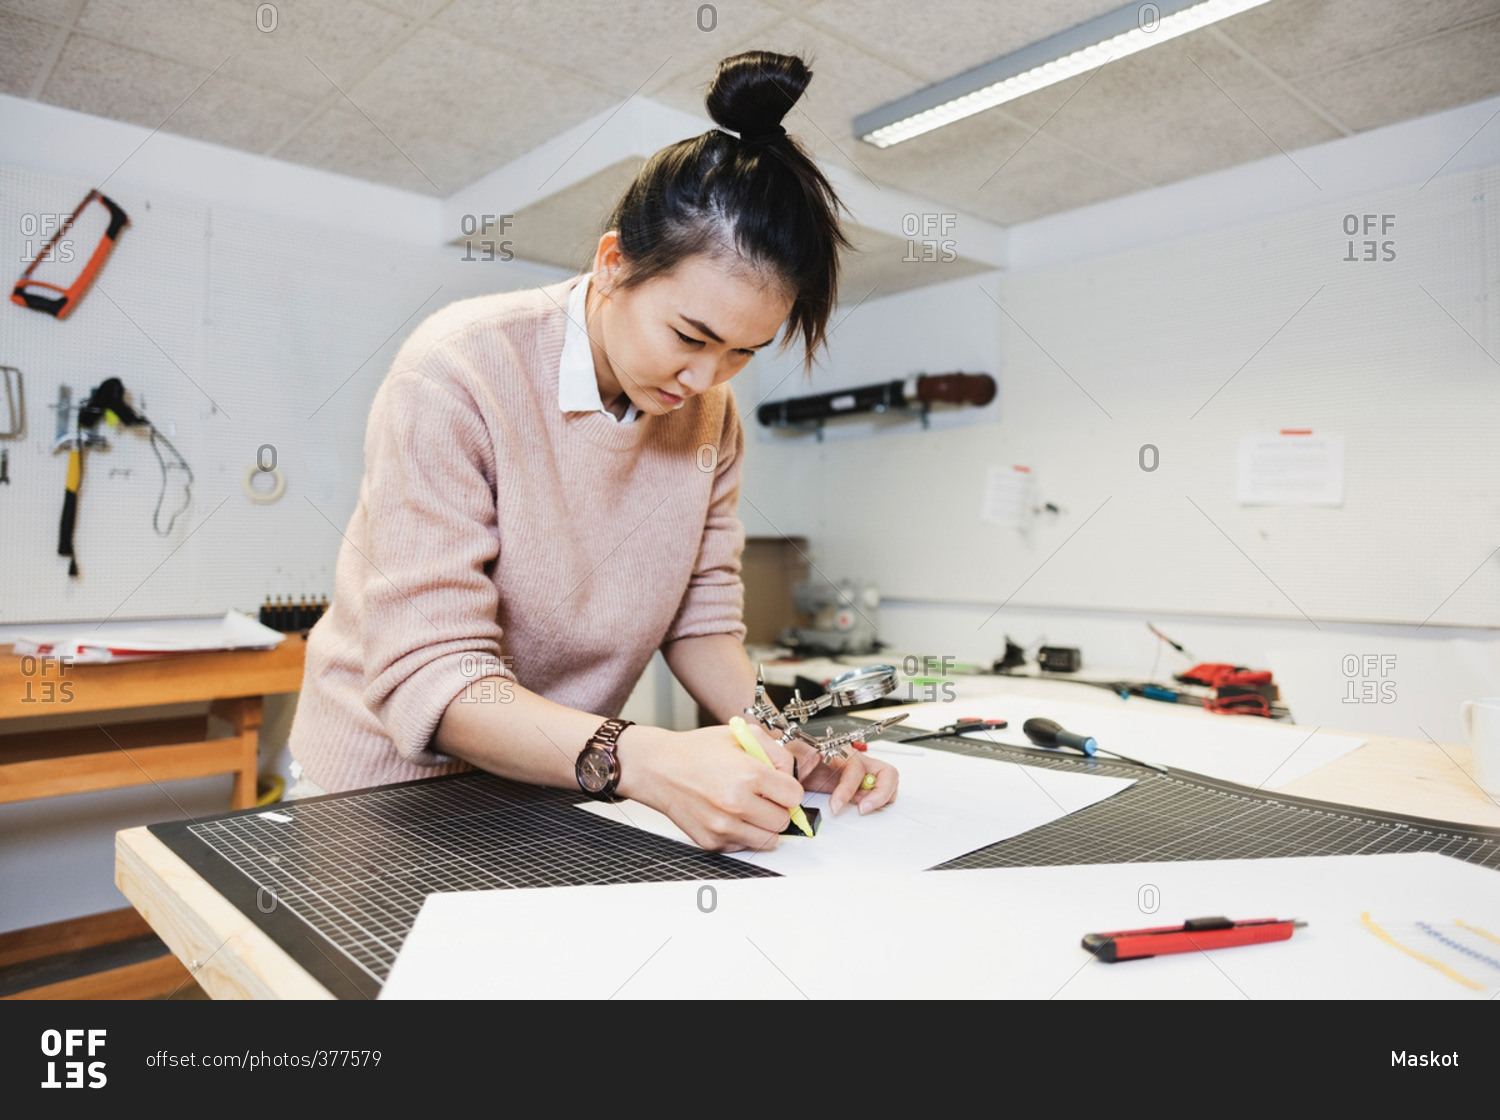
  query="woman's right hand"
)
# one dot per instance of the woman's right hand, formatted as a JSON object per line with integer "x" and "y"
{"x": 723, "y": 798}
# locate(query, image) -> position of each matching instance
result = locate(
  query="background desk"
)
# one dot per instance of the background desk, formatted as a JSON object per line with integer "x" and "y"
{"x": 74, "y": 760}
{"x": 116, "y": 751}
{"x": 1398, "y": 775}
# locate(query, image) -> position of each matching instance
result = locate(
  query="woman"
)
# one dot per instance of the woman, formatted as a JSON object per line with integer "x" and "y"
{"x": 549, "y": 496}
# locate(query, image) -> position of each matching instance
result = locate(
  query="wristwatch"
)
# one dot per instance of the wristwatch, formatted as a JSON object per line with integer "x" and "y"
{"x": 598, "y": 768}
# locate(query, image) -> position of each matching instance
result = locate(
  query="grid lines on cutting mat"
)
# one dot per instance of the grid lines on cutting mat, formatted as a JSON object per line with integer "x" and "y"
{"x": 357, "y": 868}
{"x": 1183, "y": 816}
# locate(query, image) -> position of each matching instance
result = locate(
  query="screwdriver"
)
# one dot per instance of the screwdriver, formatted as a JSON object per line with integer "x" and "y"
{"x": 1049, "y": 733}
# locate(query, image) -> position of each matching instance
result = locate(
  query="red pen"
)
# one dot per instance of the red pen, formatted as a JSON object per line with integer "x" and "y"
{"x": 1194, "y": 934}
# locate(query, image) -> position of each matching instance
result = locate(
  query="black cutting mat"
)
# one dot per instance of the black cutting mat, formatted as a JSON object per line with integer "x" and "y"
{"x": 1186, "y": 816}
{"x": 338, "y": 884}
{"x": 338, "y": 881}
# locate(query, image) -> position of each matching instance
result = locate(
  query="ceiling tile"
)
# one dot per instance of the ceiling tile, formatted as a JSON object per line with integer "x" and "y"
{"x": 1165, "y": 149}
{"x": 57, "y": 12}
{"x": 943, "y": 38}
{"x": 239, "y": 115}
{"x": 382, "y": 88}
{"x": 1426, "y": 77}
{"x": 1188, "y": 107}
{"x": 339, "y": 39}
{"x": 995, "y": 168}
{"x": 342, "y": 140}
{"x": 436, "y": 84}
{"x": 411, "y": 9}
{"x": 96, "y": 77}
{"x": 1285, "y": 118}
{"x": 1041, "y": 181}
{"x": 102, "y": 78}
{"x": 1300, "y": 37}
{"x": 25, "y": 47}
{"x": 1177, "y": 76}
{"x": 610, "y": 46}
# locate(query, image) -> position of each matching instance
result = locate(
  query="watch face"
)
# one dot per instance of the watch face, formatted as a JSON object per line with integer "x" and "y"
{"x": 595, "y": 770}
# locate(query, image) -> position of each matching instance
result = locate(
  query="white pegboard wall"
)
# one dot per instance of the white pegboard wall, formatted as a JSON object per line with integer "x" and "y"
{"x": 141, "y": 322}
{"x": 303, "y": 325}
{"x": 232, "y": 331}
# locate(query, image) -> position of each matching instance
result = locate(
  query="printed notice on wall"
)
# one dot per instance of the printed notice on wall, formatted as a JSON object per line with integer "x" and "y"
{"x": 1008, "y": 497}
{"x": 1292, "y": 468}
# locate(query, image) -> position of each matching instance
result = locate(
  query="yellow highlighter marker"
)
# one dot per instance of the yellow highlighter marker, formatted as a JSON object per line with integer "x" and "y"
{"x": 746, "y": 739}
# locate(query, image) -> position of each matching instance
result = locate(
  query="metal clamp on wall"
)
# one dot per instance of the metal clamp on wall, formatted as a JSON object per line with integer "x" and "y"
{"x": 912, "y": 397}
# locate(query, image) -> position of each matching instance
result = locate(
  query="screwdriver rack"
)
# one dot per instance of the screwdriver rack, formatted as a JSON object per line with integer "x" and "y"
{"x": 289, "y": 616}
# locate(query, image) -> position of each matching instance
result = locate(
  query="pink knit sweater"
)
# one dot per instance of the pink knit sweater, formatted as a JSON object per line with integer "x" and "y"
{"x": 497, "y": 536}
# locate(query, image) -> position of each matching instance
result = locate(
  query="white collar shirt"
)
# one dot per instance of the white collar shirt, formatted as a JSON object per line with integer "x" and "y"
{"x": 577, "y": 384}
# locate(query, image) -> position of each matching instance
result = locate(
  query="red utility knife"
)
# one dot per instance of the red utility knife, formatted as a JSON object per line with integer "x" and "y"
{"x": 1194, "y": 934}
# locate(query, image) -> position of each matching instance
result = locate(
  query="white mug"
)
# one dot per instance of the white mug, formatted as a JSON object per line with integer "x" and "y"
{"x": 1481, "y": 720}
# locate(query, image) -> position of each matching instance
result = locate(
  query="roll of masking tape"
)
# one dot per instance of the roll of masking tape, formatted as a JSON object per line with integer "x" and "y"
{"x": 254, "y": 493}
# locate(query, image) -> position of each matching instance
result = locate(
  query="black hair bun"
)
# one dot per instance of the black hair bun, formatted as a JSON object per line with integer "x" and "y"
{"x": 751, "y": 92}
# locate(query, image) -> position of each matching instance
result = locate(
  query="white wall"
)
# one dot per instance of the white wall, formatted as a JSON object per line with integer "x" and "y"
{"x": 1416, "y": 393}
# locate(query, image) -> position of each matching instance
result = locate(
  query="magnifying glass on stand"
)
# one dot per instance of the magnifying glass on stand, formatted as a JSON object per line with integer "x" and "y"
{"x": 847, "y": 690}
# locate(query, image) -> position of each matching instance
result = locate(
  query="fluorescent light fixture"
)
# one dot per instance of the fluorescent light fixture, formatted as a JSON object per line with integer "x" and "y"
{"x": 1085, "y": 47}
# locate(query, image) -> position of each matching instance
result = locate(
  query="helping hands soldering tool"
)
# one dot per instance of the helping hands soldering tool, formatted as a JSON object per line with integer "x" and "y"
{"x": 858, "y": 686}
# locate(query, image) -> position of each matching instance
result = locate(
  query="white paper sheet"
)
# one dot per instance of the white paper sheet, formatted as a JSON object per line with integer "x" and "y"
{"x": 1291, "y": 469}
{"x": 88, "y": 642}
{"x": 946, "y": 805}
{"x": 1009, "y": 494}
{"x": 1244, "y": 749}
{"x": 1006, "y": 933}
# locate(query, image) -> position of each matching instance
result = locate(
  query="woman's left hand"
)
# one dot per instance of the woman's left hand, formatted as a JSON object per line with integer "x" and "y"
{"x": 843, "y": 778}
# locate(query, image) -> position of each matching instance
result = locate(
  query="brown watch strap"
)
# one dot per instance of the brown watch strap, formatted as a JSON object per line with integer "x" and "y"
{"x": 608, "y": 735}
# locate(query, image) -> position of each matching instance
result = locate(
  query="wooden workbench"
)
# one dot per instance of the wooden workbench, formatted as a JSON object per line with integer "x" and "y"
{"x": 115, "y": 751}
{"x": 122, "y": 752}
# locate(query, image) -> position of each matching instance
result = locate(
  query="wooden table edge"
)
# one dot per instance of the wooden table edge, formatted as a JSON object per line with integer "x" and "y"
{"x": 227, "y": 953}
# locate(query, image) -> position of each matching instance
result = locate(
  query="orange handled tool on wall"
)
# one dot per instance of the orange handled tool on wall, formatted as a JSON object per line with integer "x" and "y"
{"x": 67, "y": 279}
